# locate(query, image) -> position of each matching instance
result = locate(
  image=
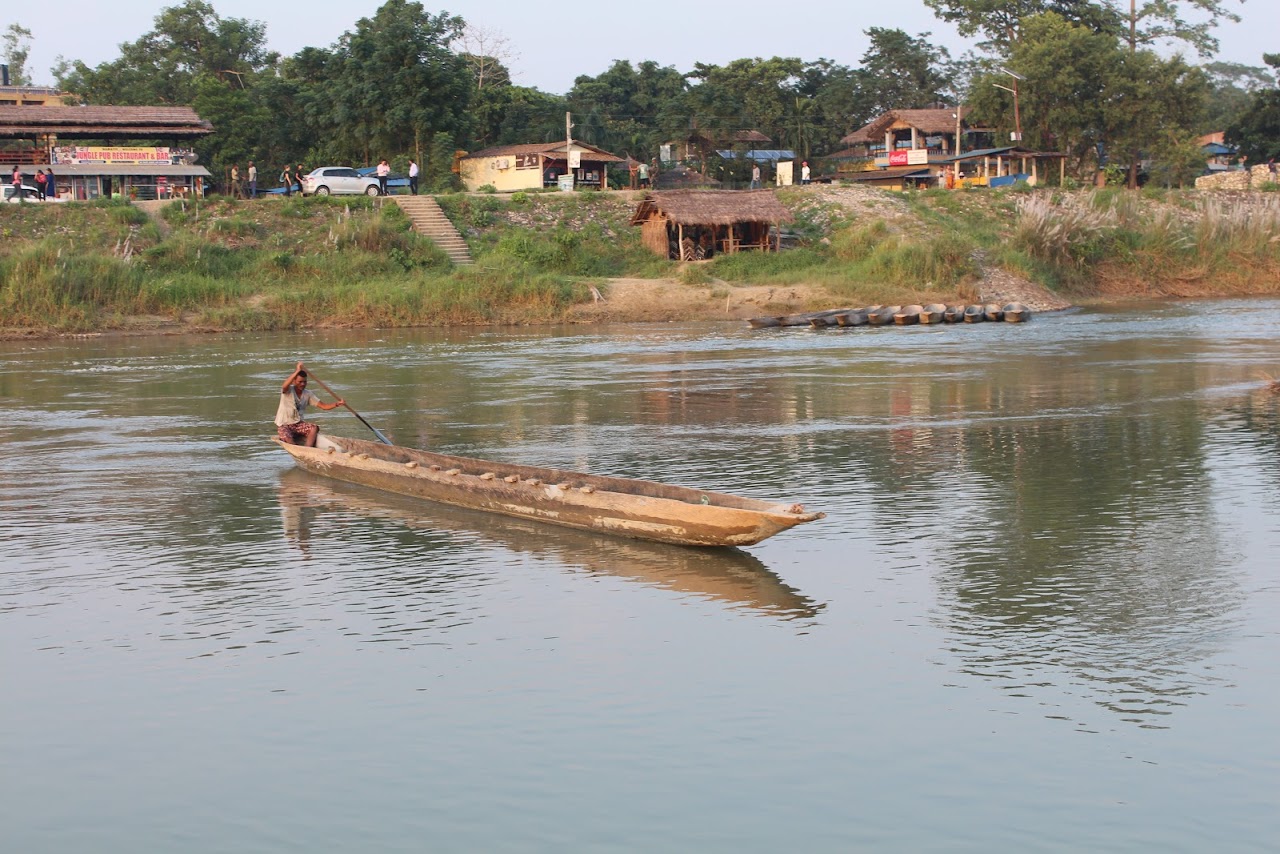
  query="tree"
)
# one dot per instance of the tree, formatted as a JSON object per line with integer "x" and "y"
{"x": 901, "y": 72}
{"x": 17, "y": 47}
{"x": 1150, "y": 102}
{"x": 1155, "y": 20}
{"x": 1001, "y": 20}
{"x": 398, "y": 83}
{"x": 1143, "y": 22}
{"x": 1081, "y": 88}
{"x": 489, "y": 53}
{"x": 1257, "y": 133}
{"x": 1232, "y": 87}
{"x": 1066, "y": 68}
{"x": 628, "y": 109}
{"x": 164, "y": 66}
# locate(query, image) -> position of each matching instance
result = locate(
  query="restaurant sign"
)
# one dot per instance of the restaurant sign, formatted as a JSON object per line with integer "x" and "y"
{"x": 104, "y": 154}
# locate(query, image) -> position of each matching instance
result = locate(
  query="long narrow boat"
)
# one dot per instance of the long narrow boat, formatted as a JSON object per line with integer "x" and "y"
{"x": 883, "y": 315}
{"x": 993, "y": 312}
{"x": 807, "y": 318}
{"x": 768, "y": 322}
{"x": 857, "y": 317}
{"x": 932, "y": 313}
{"x": 733, "y": 576}
{"x": 1016, "y": 312}
{"x": 953, "y": 314}
{"x": 973, "y": 314}
{"x": 639, "y": 509}
{"x": 908, "y": 315}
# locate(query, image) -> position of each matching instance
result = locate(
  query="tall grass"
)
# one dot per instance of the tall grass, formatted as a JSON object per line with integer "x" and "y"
{"x": 1222, "y": 244}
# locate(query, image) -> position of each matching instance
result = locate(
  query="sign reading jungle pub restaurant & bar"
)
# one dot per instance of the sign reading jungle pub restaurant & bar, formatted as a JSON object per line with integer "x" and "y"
{"x": 105, "y": 154}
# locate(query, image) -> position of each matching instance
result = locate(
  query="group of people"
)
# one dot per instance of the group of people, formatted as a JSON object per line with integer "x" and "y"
{"x": 291, "y": 179}
{"x": 46, "y": 186}
{"x": 238, "y": 189}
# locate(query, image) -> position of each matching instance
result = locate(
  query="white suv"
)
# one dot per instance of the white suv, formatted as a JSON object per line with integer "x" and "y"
{"x": 338, "y": 181}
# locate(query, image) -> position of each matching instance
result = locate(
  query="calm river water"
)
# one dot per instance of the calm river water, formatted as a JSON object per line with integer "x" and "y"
{"x": 1040, "y": 615}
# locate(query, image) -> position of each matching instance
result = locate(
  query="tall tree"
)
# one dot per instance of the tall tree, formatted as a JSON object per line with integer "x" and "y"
{"x": 189, "y": 41}
{"x": 398, "y": 82}
{"x": 900, "y": 71}
{"x": 17, "y": 47}
{"x": 628, "y": 110}
{"x": 1257, "y": 132}
{"x": 1081, "y": 89}
{"x": 1000, "y": 21}
{"x": 489, "y": 53}
{"x": 1232, "y": 87}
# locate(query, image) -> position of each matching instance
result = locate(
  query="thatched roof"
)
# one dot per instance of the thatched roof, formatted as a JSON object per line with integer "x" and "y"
{"x": 554, "y": 150}
{"x": 935, "y": 120}
{"x": 712, "y": 207}
{"x": 102, "y": 122}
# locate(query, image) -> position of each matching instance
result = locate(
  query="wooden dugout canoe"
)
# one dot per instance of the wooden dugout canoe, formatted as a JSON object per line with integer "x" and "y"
{"x": 932, "y": 313}
{"x": 973, "y": 314}
{"x": 908, "y": 315}
{"x": 639, "y": 509}
{"x": 883, "y": 316}
{"x": 1016, "y": 312}
{"x": 732, "y": 576}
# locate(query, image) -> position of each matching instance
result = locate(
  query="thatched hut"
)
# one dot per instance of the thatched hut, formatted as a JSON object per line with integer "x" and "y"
{"x": 690, "y": 225}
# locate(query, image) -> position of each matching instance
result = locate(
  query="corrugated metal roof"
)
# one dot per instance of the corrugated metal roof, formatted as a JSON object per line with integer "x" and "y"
{"x": 551, "y": 148}
{"x": 1015, "y": 150}
{"x": 761, "y": 154}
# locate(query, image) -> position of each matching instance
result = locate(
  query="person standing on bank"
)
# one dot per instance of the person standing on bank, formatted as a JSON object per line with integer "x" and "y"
{"x": 755, "y": 176}
{"x": 297, "y": 176}
{"x": 384, "y": 172}
{"x": 286, "y": 180}
{"x": 40, "y": 184}
{"x": 49, "y": 187}
{"x": 253, "y": 180}
{"x": 413, "y": 176}
{"x": 294, "y": 399}
{"x": 804, "y": 172}
{"x": 235, "y": 181}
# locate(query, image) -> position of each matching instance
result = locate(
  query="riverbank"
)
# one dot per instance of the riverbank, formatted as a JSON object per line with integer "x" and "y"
{"x": 221, "y": 265}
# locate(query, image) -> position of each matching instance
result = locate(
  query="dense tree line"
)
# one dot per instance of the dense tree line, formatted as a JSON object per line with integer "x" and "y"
{"x": 407, "y": 82}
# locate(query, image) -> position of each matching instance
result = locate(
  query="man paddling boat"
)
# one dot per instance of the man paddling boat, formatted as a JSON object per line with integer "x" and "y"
{"x": 294, "y": 399}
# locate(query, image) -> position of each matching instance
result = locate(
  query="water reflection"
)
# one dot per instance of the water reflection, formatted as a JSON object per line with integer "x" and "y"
{"x": 1097, "y": 567}
{"x": 732, "y": 576}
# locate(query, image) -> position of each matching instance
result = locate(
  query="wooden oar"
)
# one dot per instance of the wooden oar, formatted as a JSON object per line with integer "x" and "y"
{"x": 381, "y": 438}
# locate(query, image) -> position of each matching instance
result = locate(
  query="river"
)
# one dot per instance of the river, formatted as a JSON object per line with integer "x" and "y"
{"x": 1040, "y": 614}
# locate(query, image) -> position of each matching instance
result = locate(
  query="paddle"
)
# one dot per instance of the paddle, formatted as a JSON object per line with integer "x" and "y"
{"x": 381, "y": 438}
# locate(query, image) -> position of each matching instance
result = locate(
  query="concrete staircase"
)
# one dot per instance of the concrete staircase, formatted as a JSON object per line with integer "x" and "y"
{"x": 430, "y": 221}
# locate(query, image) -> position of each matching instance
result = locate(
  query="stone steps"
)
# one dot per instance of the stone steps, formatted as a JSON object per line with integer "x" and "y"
{"x": 429, "y": 221}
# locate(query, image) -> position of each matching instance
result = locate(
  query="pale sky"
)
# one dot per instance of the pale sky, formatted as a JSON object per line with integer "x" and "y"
{"x": 555, "y": 47}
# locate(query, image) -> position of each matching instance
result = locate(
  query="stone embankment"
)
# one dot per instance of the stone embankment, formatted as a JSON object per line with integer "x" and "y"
{"x": 1239, "y": 179}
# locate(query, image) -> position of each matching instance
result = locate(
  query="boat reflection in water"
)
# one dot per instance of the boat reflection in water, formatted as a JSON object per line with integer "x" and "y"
{"x": 725, "y": 575}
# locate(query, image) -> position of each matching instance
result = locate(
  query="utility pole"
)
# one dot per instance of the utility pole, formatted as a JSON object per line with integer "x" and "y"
{"x": 1017, "y": 117}
{"x": 568, "y": 143}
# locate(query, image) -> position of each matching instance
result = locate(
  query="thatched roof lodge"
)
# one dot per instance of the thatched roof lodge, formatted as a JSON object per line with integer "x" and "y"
{"x": 691, "y": 225}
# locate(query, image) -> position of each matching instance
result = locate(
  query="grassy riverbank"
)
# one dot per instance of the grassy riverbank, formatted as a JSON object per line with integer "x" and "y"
{"x": 317, "y": 262}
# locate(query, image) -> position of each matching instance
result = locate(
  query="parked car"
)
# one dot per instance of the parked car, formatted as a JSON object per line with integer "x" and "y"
{"x": 338, "y": 181}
